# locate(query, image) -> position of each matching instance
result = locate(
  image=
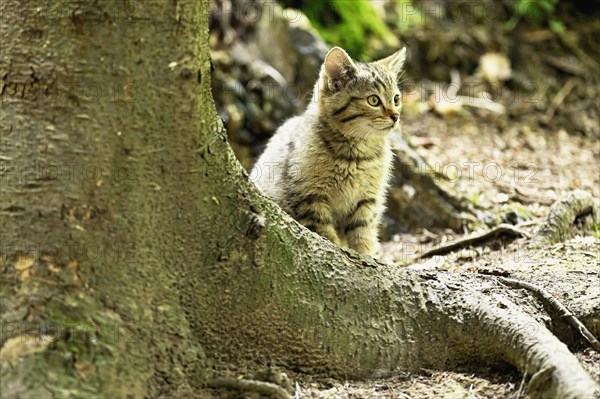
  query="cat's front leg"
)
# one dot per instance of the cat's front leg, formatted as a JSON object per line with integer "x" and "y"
{"x": 363, "y": 239}
{"x": 328, "y": 231}
{"x": 362, "y": 226}
{"x": 314, "y": 212}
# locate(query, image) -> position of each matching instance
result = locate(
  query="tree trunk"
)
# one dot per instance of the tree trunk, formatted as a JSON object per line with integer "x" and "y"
{"x": 136, "y": 253}
{"x": 102, "y": 194}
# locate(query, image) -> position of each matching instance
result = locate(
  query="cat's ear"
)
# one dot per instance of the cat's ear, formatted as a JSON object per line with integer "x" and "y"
{"x": 338, "y": 67}
{"x": 395, "y": 62}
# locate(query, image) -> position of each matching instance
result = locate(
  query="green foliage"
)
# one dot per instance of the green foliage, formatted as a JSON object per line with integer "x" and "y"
{"x": 556, "y": 25}
{"x": 596, "y": 230}
{"x": 475, "y": 197}
{"x": 522, "y": 211}
{"x": 409, "y": 16}
{"x": 536, "y": 10}
{"x": 539, "y": 12}
{"x": 348, "y": 24}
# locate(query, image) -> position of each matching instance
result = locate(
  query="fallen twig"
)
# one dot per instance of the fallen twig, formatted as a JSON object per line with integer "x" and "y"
{"x": 574, "y": 46}
{"x": 518, "y": 396}
{"x": 565, "y": 64}
{"x": 548, "y": 299}
{"x": 528, "y": 198}
{"x": 448, "y": 102}
{"x": 559, "y": 98}
{"x": 475, "y": 238}
{"x": 261, "y": 387}
{"x": 483, "y": 103}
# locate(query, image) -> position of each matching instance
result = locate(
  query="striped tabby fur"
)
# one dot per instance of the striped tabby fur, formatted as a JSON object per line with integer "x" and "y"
{"x": 329, "y": 168}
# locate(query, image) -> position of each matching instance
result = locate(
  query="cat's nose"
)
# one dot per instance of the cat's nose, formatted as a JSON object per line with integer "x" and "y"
{"x": 395, "y": 117}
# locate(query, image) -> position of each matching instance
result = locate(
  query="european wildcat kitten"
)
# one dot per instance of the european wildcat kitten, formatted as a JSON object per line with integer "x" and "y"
{"x": 329, "y": 168}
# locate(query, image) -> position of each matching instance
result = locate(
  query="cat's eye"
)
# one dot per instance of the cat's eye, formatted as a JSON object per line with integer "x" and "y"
{"x": 373, "y": 101}
{"x": 396, "y": 100}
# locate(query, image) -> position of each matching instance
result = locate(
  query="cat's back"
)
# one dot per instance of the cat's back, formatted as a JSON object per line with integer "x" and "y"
{"x": 272, "y": 166}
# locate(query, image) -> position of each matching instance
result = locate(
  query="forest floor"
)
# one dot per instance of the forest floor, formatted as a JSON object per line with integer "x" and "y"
{"x": 542, "y": 164}
{"x": 550, "y": 162}
{"x": 503, "y": 167}
{"x": 514, "y": 168}
{"x": 514, "y": 164}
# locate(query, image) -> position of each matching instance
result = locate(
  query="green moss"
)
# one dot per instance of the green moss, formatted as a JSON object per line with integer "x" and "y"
{"x": 540, "y": 12}
{"x": 349, "y": 24}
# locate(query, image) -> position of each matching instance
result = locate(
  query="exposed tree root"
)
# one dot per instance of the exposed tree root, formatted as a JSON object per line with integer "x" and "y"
{"x": 557, "y": 306}
{"x": 476, "y": 238}
{"x": 503, "y": 332}
{"x": 561, "y": 216}
{"x": 261, "y": 387}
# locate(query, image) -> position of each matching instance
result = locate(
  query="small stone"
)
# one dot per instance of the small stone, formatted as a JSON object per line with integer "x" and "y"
{"x": 495, "y": 67}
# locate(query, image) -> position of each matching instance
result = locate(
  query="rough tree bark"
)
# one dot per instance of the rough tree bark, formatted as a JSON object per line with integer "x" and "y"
{"x": 136, "y": 253}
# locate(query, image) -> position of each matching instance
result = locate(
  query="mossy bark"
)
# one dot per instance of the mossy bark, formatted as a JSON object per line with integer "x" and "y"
{"x": 100, "y": 193}
{"x": 134, "y": 279}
